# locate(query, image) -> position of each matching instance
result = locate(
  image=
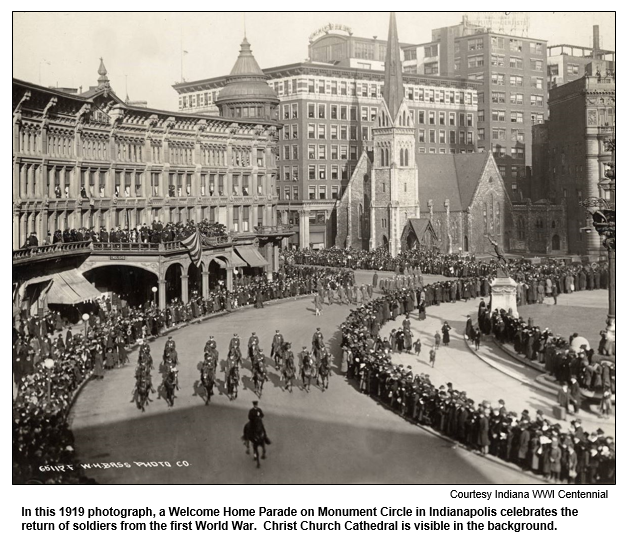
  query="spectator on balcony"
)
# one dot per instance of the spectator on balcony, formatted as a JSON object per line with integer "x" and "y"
{"x": 32, "y": 240}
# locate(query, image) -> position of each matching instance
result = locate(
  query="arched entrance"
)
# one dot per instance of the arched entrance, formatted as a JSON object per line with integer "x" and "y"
{"x": 555, "y": 242}
{"x": 216, "y": 274}
{"x": 385, "y": 241}
{"x": 195, "y": 281}
{"x": 133, "y": 284}
{"x": 173, "y": 282}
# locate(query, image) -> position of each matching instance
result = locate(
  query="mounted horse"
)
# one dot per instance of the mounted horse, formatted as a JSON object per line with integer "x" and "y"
{"x": 259, "y": 376}
{"x": 208, "y": 378}
{"x": 324, "y": 372}
{"x": 307, "y": 370}
{"x": 288, "y": 372}
{"x": 254, "y": 433}
{"x": 142, "y": 392}
{"x": 233, "y": 380}
{"x": 171, "y": 383}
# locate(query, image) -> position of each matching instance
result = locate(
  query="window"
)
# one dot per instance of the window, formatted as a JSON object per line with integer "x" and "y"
{"x": 354, "y": 133}
{"x": 502, "y": 171}
{"x": 517, "y": 153}
{"x": 221, "y": 184}
{"x": 311, "y": 191}
{"x": 344, "y": 152}
{"x": 295, "y": 193}
{"x": 469, "y": 138}
{"x": 537, "y": 64}
{"x": 432, "y": 117}
{"x": 452, "y": 137}
{"x": 322, "y": 172}
{"x": 354, "y": 113}
{"x": 354, "y": 153}
{"x": 334, "y": 172}
{"x": 286, "y": 152}
{"x": 475, "y": 61}
{"x": 321, "y": 111}
{"x": 441, "y": 136}
{"x": 343, "y": 113}
{"x": 461, "y": 137}
{"x": 514, "y": 171}
{"x": 236, "y": 219}
{"x": 431, "y": 68}
{"x": 245, "y": 185}
{"x": 311, "y": 131}
{"x": 421, "y": 116}
{"x": 311, "y": 172}
{"x": 334, "y": 152}
{"x": 481, "y": 134}
{"x": 365, "y": 133}
{"x": 498, "y": 79}
{"x": 537, "y": 118}
{"x": 343, "y": 133}
{"x": 311, "y": 152}
{"x": 498, "y": 97}
{"x": 516, "y": 117}
{"x": 469, "y": 120}
{"x": 536, "y": 48}
{"x": 321, "y": 86}
{"x": 373, "y": 114}
{"x": 430, "y": 51}
{"x": 498, "y": 151}
{"x": 497, "y": 60}
{"x": 432, "y": 136}
{"x": 335, "y": 194}
{"x": 334, "y": 88}
{"x": 516, "y": 63}
{"x": 321, "y": 131}
{"x": 536, "y": 83}
{"x": 456, "y": 64}
{"x": 295, "y": 152}
{"x": 322, "y": 192}
{"x": 343, "y": 88}
{"x": 322, "y": 152}
{"x": 475, "y": 44}
{"x": 286, "y": 111}
{"x": 516, "y": 98}
{"x": 517, "y": 135}
{"x": 480, "y": 97}
{"x": 573, "y": 70}
{"x": 497, "y": 42}
{"x": 364, "y": 114}
{"x": 452, "y": 118}
{"x": 311, "y": 110}
{"x": 344, "y": 172}
{"x": 295, "y": 173}
{"x": 295, "y": 110}
{"x": 260, "y": 185}
{"x": 515, "y": 45}
{"x": 516, "y": 81}
{"x": 499, "y": 133}
{"x": 536, "y": 100}
{"x": 421, "y": 136}
{"x": 441, "y": 118}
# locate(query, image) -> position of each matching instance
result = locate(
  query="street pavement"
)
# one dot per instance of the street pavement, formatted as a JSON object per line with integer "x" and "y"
{"x": 336, "y": 436}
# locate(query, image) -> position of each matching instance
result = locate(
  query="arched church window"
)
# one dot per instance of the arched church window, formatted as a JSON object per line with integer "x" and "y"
{"x": 360, "y": 220}
{"x": 381, "y": 163}
{"x": 386, "y": 156}
{"x": 406, "y": 157}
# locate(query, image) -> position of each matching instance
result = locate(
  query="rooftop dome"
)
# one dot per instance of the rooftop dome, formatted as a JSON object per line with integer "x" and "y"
{"x": 246, "y": 82}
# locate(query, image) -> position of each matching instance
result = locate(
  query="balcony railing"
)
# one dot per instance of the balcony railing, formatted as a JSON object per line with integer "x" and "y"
{"x": 46, "y": 251}
{"x": 152, "y": 248}
{"x": 276, "y": 229}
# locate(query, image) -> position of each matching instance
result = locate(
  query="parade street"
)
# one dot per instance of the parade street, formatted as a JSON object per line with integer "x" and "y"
{"x": 337, "y": 436}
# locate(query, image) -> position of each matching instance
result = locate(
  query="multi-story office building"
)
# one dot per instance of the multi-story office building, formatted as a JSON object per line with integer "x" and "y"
{"x": 511, "y": 71}
{"x": 328, "y": 110}
{"x": 566, "y": 62}
{"x": 582, "y": 119}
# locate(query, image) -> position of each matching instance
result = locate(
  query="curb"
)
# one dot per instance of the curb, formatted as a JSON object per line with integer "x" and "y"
{"x": 490, "y": 363}
{"x": 456, "y": 444}
{"x": 517, "y": 357}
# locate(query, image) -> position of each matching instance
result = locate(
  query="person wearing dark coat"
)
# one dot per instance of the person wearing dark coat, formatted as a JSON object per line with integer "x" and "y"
{"x": 575, "y": 396}
{"x": 483, "y": 432}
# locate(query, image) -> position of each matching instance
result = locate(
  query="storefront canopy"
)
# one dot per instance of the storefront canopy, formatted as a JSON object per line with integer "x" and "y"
{"x": 69, "y": 287}
{"x": 251, "y": 256}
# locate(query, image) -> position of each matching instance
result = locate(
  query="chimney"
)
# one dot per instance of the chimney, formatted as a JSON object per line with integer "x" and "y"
{"x": 596, "y": 40}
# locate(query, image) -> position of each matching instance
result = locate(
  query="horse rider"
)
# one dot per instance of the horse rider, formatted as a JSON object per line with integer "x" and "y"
{"x": 276, "y": 344}
{"x": 256, "y": 414}
{"x": 253, "y": 344}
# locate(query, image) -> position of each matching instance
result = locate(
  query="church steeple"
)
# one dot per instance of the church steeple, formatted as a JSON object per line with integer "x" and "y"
{"x": 393, "y": 77}
{"x": 103, "y": 80}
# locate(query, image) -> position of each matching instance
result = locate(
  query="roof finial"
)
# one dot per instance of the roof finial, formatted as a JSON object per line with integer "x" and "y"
{"x": 393, "y": 79}
{"x": 103, "y": 80}
{"x": 244, "y": 22}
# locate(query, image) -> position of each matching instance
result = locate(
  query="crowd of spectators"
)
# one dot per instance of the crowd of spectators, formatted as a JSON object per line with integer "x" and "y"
{"x": 532, "y": 442}
{"x": 41, "y": 435}
{"x": 156, "y": 233}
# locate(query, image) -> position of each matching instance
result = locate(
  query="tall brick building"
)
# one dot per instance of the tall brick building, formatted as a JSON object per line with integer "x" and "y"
{"x": 511, "y": 71}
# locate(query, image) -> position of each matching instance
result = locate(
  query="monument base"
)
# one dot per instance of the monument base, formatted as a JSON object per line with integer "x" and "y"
{"x": 504, "y": 295}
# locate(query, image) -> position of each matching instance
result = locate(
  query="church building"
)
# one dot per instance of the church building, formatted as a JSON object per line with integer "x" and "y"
{"x": 398, "y": 198}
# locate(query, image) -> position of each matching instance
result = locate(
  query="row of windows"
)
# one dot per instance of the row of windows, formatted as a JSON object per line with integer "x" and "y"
{"x": 423, "y": 150}
{"x": 498, "y": 60}
{"x": 515, "y": 116}
{"x": 499, "y": 79}
{"x": 337, "y": 172}
{"x": 500, "y": 151}
{"x": 515, "y": 134}
{"x": 463, "y": 137}
{"x": 514, "y": 98}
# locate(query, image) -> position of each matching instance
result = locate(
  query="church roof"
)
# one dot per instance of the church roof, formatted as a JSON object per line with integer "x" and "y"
{"x": 453, "y": 176}
{"x": 420, "y": 226}
{"x": 393, "y": 71}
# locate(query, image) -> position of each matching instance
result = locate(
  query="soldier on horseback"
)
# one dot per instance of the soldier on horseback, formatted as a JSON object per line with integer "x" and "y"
{"x": 324, "y": 370}
{"x": 288, "y": 371}
{"x": 318, "y": 344}
{"x": 259, "y": 371}
{"x": 253, "y": 345}
{"x": 255, "y": 433}
{"x": 307, "y": 368}
{"x": 234, "y": 348}
{"x": 276, "y": 348}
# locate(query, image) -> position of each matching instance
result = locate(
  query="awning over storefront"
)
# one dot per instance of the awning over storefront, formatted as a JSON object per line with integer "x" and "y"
{"x": 70, "y": 287}
{"x": 236, "y": 262}
{"x": 252, "y": 256}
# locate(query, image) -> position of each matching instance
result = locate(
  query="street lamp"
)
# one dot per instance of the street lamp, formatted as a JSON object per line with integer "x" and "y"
{"x": 49, "y": 365}
{"x": 85, "y": 318}
{"x": 154, "y": 290}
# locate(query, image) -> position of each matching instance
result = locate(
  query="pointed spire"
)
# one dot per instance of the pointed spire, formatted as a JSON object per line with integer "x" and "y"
{"x": 103, "y": 80}
{"x": 393, "y": 77}
{"x": 246, "y": 63}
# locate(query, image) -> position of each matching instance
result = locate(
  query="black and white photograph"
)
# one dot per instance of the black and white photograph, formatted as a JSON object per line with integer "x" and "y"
{"x": 261, "y": 248}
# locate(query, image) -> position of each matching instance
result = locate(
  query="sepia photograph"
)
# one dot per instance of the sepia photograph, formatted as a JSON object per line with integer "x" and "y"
{"x": 313, "y": 248}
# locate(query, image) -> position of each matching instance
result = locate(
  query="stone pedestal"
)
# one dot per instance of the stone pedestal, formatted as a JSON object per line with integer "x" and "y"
{"x": 504, "y": 295}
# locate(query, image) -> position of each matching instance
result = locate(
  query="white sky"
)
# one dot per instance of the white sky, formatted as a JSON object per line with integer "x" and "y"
{"x": 146, "y": 47}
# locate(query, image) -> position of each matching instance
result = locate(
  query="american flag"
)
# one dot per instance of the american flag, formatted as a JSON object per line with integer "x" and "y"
{"x": 193, "y": 245}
